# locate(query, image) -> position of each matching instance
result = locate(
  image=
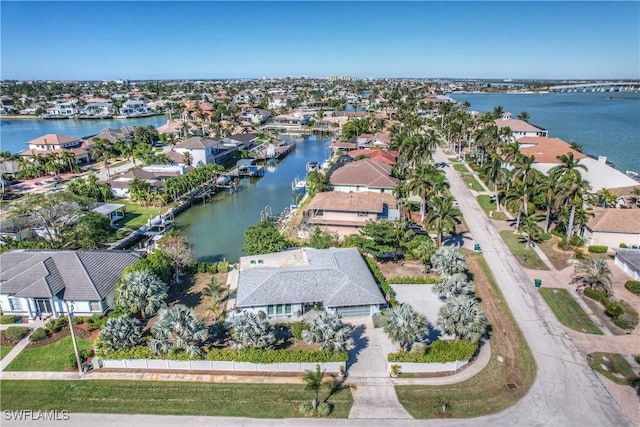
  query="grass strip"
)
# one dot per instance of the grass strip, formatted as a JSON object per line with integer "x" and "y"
{"x": 568, "y": 311}
{"x": 167, "y": 398}
{"x": 488, "y": 205}
{"x": 486, "y": 393}
{"x": 527, "y": 257}
{"x": 472, "y": 182}
{"x": 46, "y": 358}
{"x": 614, "y": 367}
{"x": 4, "y": 350}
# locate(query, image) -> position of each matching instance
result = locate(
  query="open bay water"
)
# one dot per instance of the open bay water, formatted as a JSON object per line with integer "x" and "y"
{"x": 216, "y": 229}
{"x": 15, "y": 133}
{"x": 604, "y": 123}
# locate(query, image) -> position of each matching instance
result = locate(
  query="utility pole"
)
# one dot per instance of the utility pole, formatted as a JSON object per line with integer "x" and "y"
{"x": 73, "y": 337}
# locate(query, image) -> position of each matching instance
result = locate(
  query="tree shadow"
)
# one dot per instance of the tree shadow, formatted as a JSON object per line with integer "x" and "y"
{"x": 361, "y": 342}
{"x": 433, "y": 333}
{"x": 455, "y": 240}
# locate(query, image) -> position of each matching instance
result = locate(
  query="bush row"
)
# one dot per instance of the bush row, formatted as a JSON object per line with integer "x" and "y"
{"x": 295, "y": 328}
{"x": 212, "y": 267}
{"x": 8, "y": 319}
{"x": 94, "y": 322}
{"x": 417, "y": 280}
{"x": 16, "y": 333}
{"x": 143, "y": 352}
{"x": 595, "y": 249}
{"x": 39, "y": 334}
{"x": 633, "y": 286}
{"x": 382, "y": 282}
{"x": 277, "y": 356}
{"x": 622, "y": 314}
{"x": 438, "y": 352}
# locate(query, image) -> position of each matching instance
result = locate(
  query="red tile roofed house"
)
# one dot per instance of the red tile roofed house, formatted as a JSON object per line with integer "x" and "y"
{"x": 546, "y": 150}
{"x": 363, "y": 175}
{"x": 384, "y": 156}
{"x": 610, "y": 227}
{"x": 345, "y": 213}
{"x": 56, "y": 143}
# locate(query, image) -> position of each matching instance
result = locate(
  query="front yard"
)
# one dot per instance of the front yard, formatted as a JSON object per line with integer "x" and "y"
{"x": 527, "y": 257}
{"x": 4, "y": 350}
{"x": 51, "y": 357}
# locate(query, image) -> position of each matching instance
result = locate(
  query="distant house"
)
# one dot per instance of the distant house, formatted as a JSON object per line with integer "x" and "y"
{"x": 363, "y": 175}
{"x": 206, "y": 150}
{"x": 242, "y": 98}
{"x": 49, "y": 280}
{"x": 54, "y": 142}
{"x": 98, "y": 109}
{"x": 133, "y": 107}
{"x": 154, "y": 175}
{"x": 629, "y": 261}
{"x": 295, "y": 119}
{"x": 346, "y": 213}
{"x": 114, "y": 211}
{"x": 384, "y": 156}
{"x": 519, "y": 127}
{"x": 63, "y": 109}
{"x": 254, "y": 115}
{"x": 290, "y": 283}
{"x": 113, "y": 135}
{"x": 610, "y": 227}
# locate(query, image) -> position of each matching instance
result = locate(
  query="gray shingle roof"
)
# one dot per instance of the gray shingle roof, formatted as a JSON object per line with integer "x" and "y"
{"x": 335, "y": 277}
{"x": 82, "y": 275}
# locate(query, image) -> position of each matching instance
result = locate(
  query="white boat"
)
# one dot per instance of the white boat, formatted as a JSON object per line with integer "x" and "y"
{"x": 223, "y": 180}
{"x": 301, "y": 185}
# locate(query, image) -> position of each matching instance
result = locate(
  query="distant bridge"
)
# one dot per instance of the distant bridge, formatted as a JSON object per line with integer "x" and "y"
{"x": 598, "y": 87}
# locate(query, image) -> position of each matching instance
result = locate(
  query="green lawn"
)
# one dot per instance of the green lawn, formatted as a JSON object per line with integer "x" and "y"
{"x": 486, "y": 393}
{"x": 4, "y": 350}
{"x": 518, "y": 249}
{"x": 167, "y": 398}
{"x": 472, "y": 182}
{"x": 487, "y": 205}
{"x": 50, "y": 357}
{"x": 614, "y": 367}
{"x": 568, "y": 311}
{"x": 460, "y": 167}
{"x": 136, "y": 216}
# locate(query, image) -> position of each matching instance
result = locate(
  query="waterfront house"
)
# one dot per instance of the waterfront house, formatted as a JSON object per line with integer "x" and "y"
{"x": 340, "y": 146}
{"x": 254, "y": 115}
{"x": 114, "y": 211}
{"x": 32, "y": 280}
{"x": 611, "y": 227}
{"x": 345, "y": 213}
{"x": 378, "y": 140}
{"x": 290, "y": 283}
{"x": 113, "y": 135}
{"x": 133, "y": 108}
{"x": 629, "y": 261}
{"x": 177, "y": 128}
{"x": 384, "y": 156}
{"x": 242, "y": 140}
{"x": 98, "y": 109}
{"x": 54, "y": 142}
{"x": 293, "y": 120}
{"x": 63, "y": 109}
{"x": 154, "y": 175}
{"x": 363, "y": 175}
{"x": 519, "y": 128}
{"x": 207, "y": 150}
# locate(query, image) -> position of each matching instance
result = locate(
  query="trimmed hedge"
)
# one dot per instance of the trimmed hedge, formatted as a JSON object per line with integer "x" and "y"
{"x": 438, "y": 352}
{"x": 295, "y": 328}
{"x": 633, "y": 286}
{"x": 417, "y": 280}
{"x": 595, "y": 294}
{"x": 144, "y": 352}
{"x": 595, "y": 249}
{"x": 16, "y": 333}
{"x": 39, "y": 334}
{"x": 382, "y": 282}
{"x": 8, "y": 319}
{"x": 56, "y": 325}
{"x": 255, "y": 355}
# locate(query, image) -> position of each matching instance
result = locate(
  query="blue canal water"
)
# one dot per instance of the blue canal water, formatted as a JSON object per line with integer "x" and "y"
{"x": 15, "y": 133}
{"x": 216, "y": 229}
{"x": 605, "y": 123}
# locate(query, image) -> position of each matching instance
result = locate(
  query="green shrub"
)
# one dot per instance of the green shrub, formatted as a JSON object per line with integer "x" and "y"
{"x": 97, "y": 321}
{"x": 439, "y": 352}
{"x": 223, "y": 267}
{"x": 118, "y": 311}
{"x": 8, "y": 319}
{"x": 71, "y": 359}
{"x": 613, "y": 309}
{"x": 595, "y": 294}
{"x": 378, "y": 320}
{"x": 382, "y": 282}
{"x": 16, "y": 333}
{"x": 418, "y": 347}
{"x": 323, "y": 409}
{"x": 255, "y": 355}
{"x": 79, "y": 320}
{"x": 39, "y": 334}
{"x": 576, "y": 241}
{"x": 623, "y": 245}
{"x": 56, "y": 325}
{"x": 296, "y": 328}
{"x": 545, "y": 236}
{"x": 417, "y": 280}
{"x": 596, "y": 249}
{"x": 628, "y": 319}
{"x": 579, "y": 255}
{"x": 633, "y": 286}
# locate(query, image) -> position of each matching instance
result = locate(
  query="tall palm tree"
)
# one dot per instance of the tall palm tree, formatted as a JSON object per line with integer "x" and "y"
{"x": 102, "y": 149}
{"x": 525, "y": 175}
{"x": 425, "y": 181}
{"x": 120, "y": 333}
{"x": 462, "y": 317}
{"x": 571, "y": 193}
{"x": 496, "y": 173}
{"x": 594, "y": 273}
{"x": 448, "y": 261}
{"x": 442, "y": 216}
{"x": 569, "y": 167}
{"x": 142, "y": 292}
{"x": 404, "y": 325}
{"x": 328, "y": 330}
{"x": 531, "y": 231}
{"x": 177, "y": 327}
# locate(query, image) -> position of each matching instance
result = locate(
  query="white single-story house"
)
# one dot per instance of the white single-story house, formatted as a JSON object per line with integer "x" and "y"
{"x": 289, "y": 283}
{"x": 48, "y": 281}
{"x": 629, "y": 261}
{"x": 610, "y": 227}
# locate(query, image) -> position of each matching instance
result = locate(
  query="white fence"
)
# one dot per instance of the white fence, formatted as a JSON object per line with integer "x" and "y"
{"x": 406, "y": 367}
{"x": 206, "y": 365}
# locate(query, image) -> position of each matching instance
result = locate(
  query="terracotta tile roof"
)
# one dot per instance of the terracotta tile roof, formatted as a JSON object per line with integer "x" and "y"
{"x": 615, "y": 221}
{"x": 365, "y": 172}
{"x": 52, "y": 139}
{"x": 384, "y": 156}
{"x": 546, "y": 150}
{"x": 363, "y": 201}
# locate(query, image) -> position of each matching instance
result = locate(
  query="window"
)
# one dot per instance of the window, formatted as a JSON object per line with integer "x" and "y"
{"x": 280, "y": 309}
{"x": 287, "y": 309}
{"x": 15, "y": 304}
{"x": 360, "y": 213}
{"x": 95, "y": 305}
{"x": 270, "y": 310}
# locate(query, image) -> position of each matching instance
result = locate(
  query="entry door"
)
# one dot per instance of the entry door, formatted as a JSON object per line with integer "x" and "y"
{"x": 44, "y": 305}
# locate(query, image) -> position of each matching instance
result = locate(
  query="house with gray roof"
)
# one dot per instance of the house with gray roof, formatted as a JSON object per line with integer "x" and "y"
{"x": 629, "y": 261}
{"x": 32, "y": 280}
{"x": 290, "y": 283}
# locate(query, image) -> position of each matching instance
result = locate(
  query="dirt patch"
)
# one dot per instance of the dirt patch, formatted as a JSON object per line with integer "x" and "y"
{"x": 189, "y": 293}
{"x": 558, "y": 257}
{"x": 404, "y": 268}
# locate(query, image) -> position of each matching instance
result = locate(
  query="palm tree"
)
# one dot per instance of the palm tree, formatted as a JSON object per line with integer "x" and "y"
{"x": 494, "y": 171}
{"x": 327, "y": 329}
{"x": 462, "y": 317}
{"x": 250, "y": 331}
{"x": 215, "y": 292}
{"x": 607, "y": 198}
{"x": 177, "y": 327}
{"x": 424, "y": 181}
{"x": 594, "y": 273}
{"x": 442, "y": 216}
{"x": 142, "y": 292}
{"x": 498, "y": 110}
{"x": 524, "y": 172}
{"x": 531, "y": 231}
{"x": 454, "y": 284}
{"x": 102, "y": 149}
{"x": 313, "y": 382}
{"x": 571, "y": 193}
{"x": 448, "y": 260}
{"x": 524, "y": 116}
{"x": 120, "y": 333}
{"x": 404, "y": 325}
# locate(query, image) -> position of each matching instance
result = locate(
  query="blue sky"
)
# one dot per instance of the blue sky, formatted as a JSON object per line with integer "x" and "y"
{"x": 191, "y": 40}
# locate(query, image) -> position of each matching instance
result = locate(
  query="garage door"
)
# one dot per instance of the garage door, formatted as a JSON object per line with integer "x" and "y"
{"x": 354, "y": 311}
